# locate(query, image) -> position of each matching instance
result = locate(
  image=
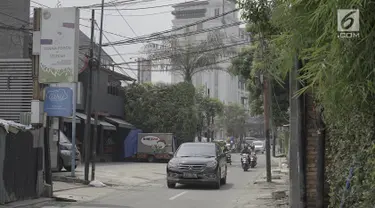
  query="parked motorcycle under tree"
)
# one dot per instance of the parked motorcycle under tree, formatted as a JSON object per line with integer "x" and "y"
{"x": 189, "y": 175}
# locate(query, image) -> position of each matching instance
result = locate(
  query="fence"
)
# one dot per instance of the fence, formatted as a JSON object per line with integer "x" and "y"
{"x": 21, "y": 163}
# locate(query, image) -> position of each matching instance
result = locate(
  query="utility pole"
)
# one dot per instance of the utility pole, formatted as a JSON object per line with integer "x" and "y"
{"x": 97, "y": 90}
{"x": 139, "y": 70}
{"x": 37, "y": 97}
{"x": 89, "y": 101}
{"x": 266, "y": 104}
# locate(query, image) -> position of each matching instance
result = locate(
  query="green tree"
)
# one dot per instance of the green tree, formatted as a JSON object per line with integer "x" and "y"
{"x": 162, "y": 108}
{"x": 339, "y": 74}
{"x": 207, "y": 110}
{"x": 234, "y": 120}
{"x": 188, "y": 58}
{"x": 243, "y": 67}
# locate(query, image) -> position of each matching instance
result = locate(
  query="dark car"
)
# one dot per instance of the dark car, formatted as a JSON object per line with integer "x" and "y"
{"x": 197, "y": 163}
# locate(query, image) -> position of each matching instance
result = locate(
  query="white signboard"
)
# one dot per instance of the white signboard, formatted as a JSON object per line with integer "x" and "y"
{"x": 59, "y": 44}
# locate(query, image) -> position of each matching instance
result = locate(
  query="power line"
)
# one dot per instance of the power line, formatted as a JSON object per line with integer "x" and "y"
{"x": 175, "y": 29}
{"x": 37, "y": 3}
{"x": 112, "y": 33}
{"x": 113, "y": 3}
{"x": 210, "y": 64}
{"x": 16, "y": 18}
{"x": 140, "y": 8}
{"x": 195, "y": 52}
{"x": 155, "y": 38}
{"x": 140, "y": 15}
{"x": 117, "y": 52}
{"x": 126, "y": 21}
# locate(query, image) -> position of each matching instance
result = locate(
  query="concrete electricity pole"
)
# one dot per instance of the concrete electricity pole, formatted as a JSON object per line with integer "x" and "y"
{"x": 139, "y": 70}
{"x": 266, "y": 104}
{"x": 87, "y": 141}
{"x": 97, "y": 90}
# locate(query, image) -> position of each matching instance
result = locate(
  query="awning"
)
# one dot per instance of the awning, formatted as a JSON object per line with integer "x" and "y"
{"x": 70, "y": 119}
{"x": 84, "y": 117}
{"x": 107, "y": 126}
{"x": 121, "y": 123}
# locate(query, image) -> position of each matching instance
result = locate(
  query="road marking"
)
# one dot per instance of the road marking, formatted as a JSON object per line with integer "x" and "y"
{"x": 178, "y": 195}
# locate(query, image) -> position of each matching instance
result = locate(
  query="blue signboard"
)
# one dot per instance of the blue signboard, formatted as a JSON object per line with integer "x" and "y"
{"x": 58, "y": 101}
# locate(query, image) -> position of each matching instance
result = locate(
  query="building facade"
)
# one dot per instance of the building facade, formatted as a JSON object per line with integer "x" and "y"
{"x": 144, "y": 70}
{"x": 14, "y": 33}
{"x": 217, "y": 83}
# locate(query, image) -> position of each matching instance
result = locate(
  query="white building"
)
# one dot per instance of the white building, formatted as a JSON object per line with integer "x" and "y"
{"x": 144, "y": 66}
{"x": 218, "y": 83}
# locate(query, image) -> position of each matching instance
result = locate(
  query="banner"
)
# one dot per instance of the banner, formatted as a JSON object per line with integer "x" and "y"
{"x": 59, "y": 45}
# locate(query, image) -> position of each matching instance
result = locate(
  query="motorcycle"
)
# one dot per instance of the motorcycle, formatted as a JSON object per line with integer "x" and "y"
{"x": 245, "y": 163}
{"x": 253, "y": 161}
{"x": 229, "y": 158}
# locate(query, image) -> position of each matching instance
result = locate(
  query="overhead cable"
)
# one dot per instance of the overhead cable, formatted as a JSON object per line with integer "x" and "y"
{"x": 176, "y": 29}
{"x": 194, "y": 52}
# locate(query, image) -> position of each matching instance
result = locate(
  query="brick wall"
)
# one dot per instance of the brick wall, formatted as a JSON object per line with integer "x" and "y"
{"x": 311, "y": 153}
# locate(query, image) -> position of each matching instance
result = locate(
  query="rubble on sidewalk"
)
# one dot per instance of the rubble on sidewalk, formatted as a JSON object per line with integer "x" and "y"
{"x": 77, "y": 192}
{"x": 261, "y": 194}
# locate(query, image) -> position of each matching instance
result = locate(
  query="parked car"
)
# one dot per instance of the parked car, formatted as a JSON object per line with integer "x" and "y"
{"x": 65, "y": 159}
{"x": 259, "y": 146}
{"x": 197, "y": 163}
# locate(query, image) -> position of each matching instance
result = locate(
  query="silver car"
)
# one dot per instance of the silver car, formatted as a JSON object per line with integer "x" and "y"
{"x": 65, "y": 159}
{"x": 259, "y": 146}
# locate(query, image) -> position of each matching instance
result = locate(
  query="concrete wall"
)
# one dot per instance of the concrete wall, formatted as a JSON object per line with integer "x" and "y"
{"x": 14, "y": 42}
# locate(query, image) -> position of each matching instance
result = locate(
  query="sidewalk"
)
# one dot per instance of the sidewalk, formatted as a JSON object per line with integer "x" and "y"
{"x": 260, "y": 194}
{"x": 67, "y": 192}
{"x": 118, "y": 174}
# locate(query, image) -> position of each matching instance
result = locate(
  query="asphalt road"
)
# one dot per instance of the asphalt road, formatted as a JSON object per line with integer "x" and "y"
{"x": 157, "y": 195}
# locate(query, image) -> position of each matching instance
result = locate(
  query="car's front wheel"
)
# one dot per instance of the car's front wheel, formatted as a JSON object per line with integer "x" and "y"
{"x": 171, "y": 185}
{"x": 69, "y": 168}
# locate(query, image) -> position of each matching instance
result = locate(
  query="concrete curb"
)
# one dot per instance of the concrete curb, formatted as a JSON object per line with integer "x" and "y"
{"x": 29, "y": 203}
{"x": 68, "y": 179}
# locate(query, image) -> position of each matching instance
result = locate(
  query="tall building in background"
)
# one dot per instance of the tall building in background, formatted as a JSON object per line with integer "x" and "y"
{"x": 217, "y": 83}
{"x": 145, "y": 70}
{"x": 14, "y": 29}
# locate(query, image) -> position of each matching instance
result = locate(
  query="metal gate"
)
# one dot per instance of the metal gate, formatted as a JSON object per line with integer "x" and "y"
{"x": 16, "y": 88}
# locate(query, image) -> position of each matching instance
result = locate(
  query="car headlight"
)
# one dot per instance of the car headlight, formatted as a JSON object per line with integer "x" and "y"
{"x": 172, "y": 164}
{"x": 212, "y": 164}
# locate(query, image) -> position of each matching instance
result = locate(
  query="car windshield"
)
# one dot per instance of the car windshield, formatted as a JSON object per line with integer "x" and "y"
{"x": 63, "y": 138}
{"x": 258, "y": 143}
{"x": 195, "y": 150}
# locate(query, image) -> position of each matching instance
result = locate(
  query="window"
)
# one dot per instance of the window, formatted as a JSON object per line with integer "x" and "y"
{"x": 112, "y": 90}
{"x": 187, "y": 29}
{"x": 217, "y": 12}
{"x": 199, "y": 26}
{"x": 197, "y": 149}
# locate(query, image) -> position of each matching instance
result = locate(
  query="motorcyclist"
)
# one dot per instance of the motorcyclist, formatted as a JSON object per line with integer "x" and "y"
{"x": 246, "y": 150}
{"x": 225, "y": 150}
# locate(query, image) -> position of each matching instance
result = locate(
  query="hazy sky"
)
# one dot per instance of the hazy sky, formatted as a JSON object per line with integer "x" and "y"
{"x": 145, "y": 21}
